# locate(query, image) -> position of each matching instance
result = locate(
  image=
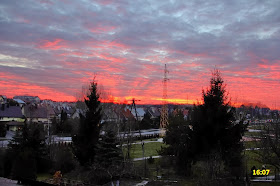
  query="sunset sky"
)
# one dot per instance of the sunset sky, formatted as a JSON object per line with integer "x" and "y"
{"x": 51, "y": 48}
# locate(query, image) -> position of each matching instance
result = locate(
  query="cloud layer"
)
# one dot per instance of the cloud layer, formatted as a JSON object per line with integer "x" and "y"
{"x": 51, "y": 48}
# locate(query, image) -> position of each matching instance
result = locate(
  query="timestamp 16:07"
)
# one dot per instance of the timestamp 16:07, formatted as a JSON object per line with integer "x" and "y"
{"x": 258, "y": 172}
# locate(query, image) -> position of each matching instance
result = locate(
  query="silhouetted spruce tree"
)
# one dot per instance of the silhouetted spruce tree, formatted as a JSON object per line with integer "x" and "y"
{"x": 108, "y": 153}
{"x": 27, "y": 148}
{"x": 64, "y": 126}
{"x": 214, "y": 127}
{"x": 108, "y": 161}
{"x": 211, "y": 132}
{"x": 146, "y": 122}
{"x": 179, "y": 140}
{"x": 84, "y": 143}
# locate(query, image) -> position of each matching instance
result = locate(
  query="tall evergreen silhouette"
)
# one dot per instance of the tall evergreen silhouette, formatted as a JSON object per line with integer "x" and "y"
{"x": 215, "y": 129}
{"x": 211, "y": 132}
{"x": 85, "y": 142}
{"x": 27, "y": 148}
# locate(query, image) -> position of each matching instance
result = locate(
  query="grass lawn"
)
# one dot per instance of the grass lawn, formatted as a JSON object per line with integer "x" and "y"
{"x": 251, "y": 156}
{"x": 251, "y": 159}
{"x": 162, "y": 167}
{"x": 249, "y": 134}
{"x": 44, "y": 176}
{"x": 256, "y": 127}
{"x": 152, "y": 139}
{"x": 150, "y": 149}
{"x": 251, "y": 144}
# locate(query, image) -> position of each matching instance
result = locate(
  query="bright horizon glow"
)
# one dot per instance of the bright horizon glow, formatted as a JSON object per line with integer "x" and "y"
{"x": 157, "y": 101}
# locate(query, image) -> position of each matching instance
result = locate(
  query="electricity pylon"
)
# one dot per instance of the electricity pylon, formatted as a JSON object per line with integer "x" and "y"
{"x": 164, "y": 109}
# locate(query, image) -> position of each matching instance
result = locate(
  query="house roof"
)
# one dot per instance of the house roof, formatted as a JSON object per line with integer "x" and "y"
{"x": 4, "y": 97}
{"x": 140, "y": 112}
{"x": 19, "y": 101}
{"x": 11, "y": 111}
{"x": 154, "y": 111}
{"x": 109, "y": 113}
{"x": 32, "y": 111}
{"x": 68, "y": 110}
{"x": 127, "y": 114}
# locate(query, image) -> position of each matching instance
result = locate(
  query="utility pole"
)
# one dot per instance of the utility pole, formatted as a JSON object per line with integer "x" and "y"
{"x": 142, "y": 142}
{"x": 164, "y": 109}
{"x": 48, "y": 118}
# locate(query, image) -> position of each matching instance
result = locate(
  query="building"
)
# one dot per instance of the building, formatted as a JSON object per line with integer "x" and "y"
{"x": 3, "y": 99}
{"x": 140, "y": 113}
{"x": 20, "y": 102}
{"x": 11, "y": 117}
{"x": 11, "y": 113}
{"x": 38, "y": 114}
{"x": 28, "y": 99}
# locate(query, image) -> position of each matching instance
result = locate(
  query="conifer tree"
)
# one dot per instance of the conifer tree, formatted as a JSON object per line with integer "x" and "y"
{"x": 108, "y": 164}
{"x": 215, "y": 129}
{"x": 179, "y": 140}
{"x": 211, "y": 132}
{"x": 27, "y": 148}
{"x": 108, "y": 153}
{"x": 85, "y": 141}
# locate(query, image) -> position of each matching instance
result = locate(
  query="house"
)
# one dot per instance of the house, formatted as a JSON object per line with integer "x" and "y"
{"x": 11, "y": 116}
{"x": 140, "y": 113}
{"x": 14, "y": 125}
{"x": 185, "y": 112}
{"x": 38, "y": 114}
{"x": 67, "y": 109}
{"x": 126, "y": 115}
{"x": 11, "y": 113}
{"x": 28, "y": 99}
{"x": 110, "y": 114}
{"x": 20, "y": 102}
{"x": 3, "y": 99}
{"x": 154, "y": 112}
{"x": 77, "y": 113}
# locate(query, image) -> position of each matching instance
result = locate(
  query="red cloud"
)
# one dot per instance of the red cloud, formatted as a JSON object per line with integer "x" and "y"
{"x": 11, "y": 86}
{"x": 35, "y": 90}
{"x": 52, "y": 45}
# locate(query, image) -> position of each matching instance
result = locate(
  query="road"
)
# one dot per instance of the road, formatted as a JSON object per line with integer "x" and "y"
{"x": 57, "y": 139}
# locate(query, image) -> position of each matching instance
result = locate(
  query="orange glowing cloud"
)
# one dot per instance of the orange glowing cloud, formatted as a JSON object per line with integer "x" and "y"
{"x": 35, "y": 90}
{"x": 179, "y": 101}
{"x": 112, "y": 99}
{"x": 11, "y": 86}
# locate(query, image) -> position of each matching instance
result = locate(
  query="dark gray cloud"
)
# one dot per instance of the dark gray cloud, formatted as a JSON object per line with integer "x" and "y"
{"x": 67, "y": 41}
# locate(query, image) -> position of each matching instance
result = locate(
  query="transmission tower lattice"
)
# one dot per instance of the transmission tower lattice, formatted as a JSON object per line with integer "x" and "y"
{"x": 164, "y": 109}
